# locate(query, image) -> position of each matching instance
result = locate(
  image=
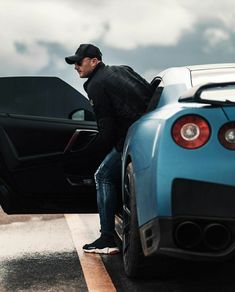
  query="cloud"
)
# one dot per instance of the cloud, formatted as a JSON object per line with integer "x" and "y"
{"x": 215, "y": 36}
{"x": 120, "y": 24}
{"x": 220, "y": 10}
{"x": 29, "y": 24}
{"x": 145, "y": 22}
{"x": 146, "y": 34}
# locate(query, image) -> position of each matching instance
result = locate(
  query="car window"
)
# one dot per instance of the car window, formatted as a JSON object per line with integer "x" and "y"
{"x": 40, "y": 96}
{"x": 158, "y": 85}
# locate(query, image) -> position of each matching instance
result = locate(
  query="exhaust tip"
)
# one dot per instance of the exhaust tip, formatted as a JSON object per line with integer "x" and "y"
{"x": 188, "y": 234}
{"x": 217, "y": 236}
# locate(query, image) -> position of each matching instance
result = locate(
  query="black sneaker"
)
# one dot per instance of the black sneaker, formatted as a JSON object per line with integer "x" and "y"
{"x": 105, "y": 245}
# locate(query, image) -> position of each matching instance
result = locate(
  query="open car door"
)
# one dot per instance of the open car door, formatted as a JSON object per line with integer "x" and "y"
{"x": 48, "y": 147}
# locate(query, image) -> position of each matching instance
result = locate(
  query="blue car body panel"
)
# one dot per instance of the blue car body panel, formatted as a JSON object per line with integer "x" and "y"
{"x": 158, "y": 161}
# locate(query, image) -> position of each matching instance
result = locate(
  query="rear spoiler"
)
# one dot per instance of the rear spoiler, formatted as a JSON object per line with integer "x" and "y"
{"x": 194, "y": 93}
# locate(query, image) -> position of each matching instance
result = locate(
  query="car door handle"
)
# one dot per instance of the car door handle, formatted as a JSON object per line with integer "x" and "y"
{"x": 74, "y": 138}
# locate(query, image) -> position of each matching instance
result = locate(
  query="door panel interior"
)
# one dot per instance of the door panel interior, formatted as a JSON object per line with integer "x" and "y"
{"x": 42, "y": 170}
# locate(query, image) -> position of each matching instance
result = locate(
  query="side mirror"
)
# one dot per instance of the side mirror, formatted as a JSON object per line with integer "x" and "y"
{"x": 82, "y": 115}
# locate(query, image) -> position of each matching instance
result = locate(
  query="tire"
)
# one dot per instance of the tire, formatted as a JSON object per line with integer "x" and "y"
{"x": 132, "y": 251}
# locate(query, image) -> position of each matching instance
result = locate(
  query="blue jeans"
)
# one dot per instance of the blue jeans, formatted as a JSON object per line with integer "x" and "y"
{"x": 108, "y": 181}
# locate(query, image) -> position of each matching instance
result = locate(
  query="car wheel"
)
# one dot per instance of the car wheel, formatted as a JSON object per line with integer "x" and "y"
{"x": 132, "y": 250}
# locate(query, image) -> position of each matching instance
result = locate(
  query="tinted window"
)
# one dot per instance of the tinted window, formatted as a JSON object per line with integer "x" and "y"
{"x": 40, "y": 96}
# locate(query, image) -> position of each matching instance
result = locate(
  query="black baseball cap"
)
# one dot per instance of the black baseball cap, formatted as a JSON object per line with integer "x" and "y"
{"x": 84, "y": 50}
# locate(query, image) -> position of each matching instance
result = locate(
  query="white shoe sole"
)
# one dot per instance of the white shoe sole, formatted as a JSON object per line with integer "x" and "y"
{"x": 106, "y": 250}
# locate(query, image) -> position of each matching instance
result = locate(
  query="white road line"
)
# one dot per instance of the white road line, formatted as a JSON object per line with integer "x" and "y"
{"x": 83, "y": 229}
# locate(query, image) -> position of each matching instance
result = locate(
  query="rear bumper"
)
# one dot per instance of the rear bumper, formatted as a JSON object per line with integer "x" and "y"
{"x": 198, "y": 198}
{"x": 158, "y": 237}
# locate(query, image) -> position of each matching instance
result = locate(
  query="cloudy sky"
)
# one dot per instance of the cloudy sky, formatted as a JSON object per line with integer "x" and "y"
{"x": 148, "y": 35}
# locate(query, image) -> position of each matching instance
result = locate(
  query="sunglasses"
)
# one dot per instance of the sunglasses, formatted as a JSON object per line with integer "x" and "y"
{"x": 79, "y": 63}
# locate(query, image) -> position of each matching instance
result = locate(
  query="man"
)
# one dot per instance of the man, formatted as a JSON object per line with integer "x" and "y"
{"x": 119, "y": 97}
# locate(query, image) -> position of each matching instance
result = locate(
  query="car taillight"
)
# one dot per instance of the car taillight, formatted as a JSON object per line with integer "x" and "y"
{"x": 227, "y": 135}
{"x": 191, "y": 131}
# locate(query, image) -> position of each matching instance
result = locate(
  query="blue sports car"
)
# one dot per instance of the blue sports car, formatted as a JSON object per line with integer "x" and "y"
{"x": 178, "y": 175}
{"x": 179, "y": 169}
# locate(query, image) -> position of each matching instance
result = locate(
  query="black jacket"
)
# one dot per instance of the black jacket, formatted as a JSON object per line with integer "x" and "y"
{"x": 119, "y": 97}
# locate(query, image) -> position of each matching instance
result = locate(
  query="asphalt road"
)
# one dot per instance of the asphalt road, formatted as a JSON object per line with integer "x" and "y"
{"x": 42, "y": 253}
